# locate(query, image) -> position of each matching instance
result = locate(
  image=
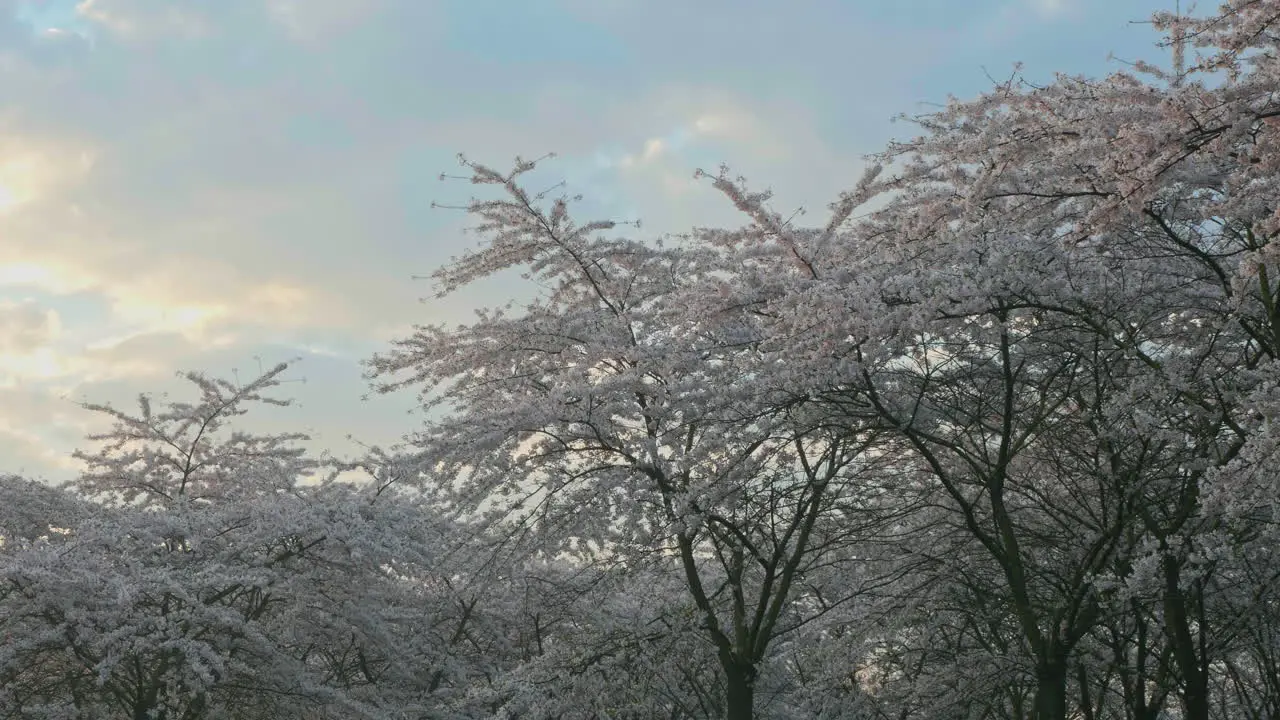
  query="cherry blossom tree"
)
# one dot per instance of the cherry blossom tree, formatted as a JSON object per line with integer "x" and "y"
{"x": 613, "y": 417}
{"x": 1045, "y": 343}
{"x": 1059, "y": 315}
{"x": 219, "y": 575}
{"x": 996, "y": 438}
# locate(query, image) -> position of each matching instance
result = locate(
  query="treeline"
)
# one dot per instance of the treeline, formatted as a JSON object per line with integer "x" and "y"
{"x": 997, "y": 439}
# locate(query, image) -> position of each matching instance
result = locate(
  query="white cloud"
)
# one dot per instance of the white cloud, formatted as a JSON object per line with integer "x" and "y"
{"x": 310, "y": 20}
{"x": 1049, "y": 8}
{"x": 774, "y": 144}
{"x": 705, "y": 117}
{"x": 203, "y": 206}
{"x": 143, "y": 19}
{"x": 25, "y": 327}
{"x": 33, "y": 167}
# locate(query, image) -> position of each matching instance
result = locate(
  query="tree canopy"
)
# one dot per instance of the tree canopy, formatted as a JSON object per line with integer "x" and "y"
{"x": 995, "y": 439}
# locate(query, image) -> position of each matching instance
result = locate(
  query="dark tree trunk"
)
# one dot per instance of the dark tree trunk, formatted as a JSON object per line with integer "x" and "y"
{"x": 739, "y": 691}
{"x": 1051, "y": 690}
{"x": 1186, "y": 655}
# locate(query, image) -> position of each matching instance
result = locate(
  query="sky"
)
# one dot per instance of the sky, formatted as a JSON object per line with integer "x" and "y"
{"x": 216, "y": 185}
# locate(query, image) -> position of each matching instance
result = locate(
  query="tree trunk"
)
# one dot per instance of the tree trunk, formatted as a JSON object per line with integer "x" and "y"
{"x": 1196, "y": 699}
{"x": 1195, "y": 682}
{"x": 1051, "y": 691}
{"x": 739, "y": 691}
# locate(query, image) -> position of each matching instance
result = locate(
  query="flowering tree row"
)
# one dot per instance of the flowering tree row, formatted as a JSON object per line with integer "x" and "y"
{"x": 995, "y": 440}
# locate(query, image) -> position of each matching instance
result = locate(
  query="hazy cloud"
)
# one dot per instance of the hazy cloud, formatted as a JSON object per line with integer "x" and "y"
{"x": 25, "y": 326}
{"x": 191, "y": 185}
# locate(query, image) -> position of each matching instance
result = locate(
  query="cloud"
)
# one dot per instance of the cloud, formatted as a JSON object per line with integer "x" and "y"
{"x": 201, "y": 181}
{"x": 315, "y": 20}
{"x": 187, "y": 185}
{"x": 775, "y": 145}
{"x": 1049, "y": 8}
{"x": 653, "y": 149}
{"x": 29, "y": 332}
{"x": 1023, "y": 17}
{"x": 31, "y": 454}
{"x": 33, "y": 167}
{"x": 722, "y": 120}
{"x": 25, "y": 327}
{"x": 144, "y": 20}
{"x": 148, "y": 354}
